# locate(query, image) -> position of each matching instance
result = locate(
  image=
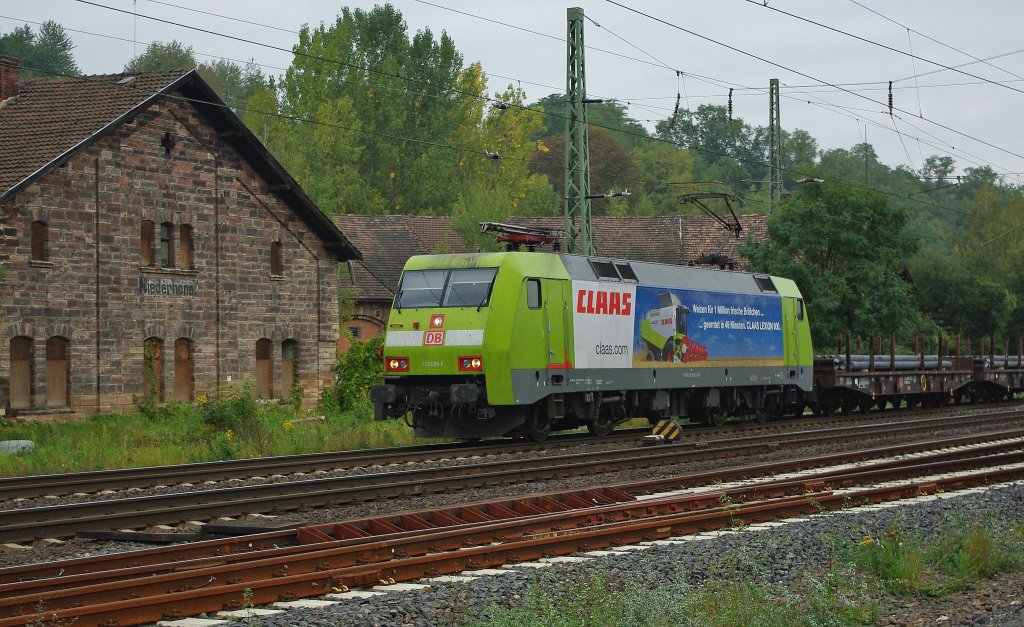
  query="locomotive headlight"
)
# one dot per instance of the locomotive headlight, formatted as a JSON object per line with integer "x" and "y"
{"x": 472, "y": 363}
{"x": 397, "y": 364}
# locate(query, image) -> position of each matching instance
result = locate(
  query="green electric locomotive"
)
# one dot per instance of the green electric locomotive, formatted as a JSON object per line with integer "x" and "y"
{"x": 523, "y": 343}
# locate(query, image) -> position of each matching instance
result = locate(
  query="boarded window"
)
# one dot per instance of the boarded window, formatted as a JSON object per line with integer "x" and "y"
{"x": 167, "y": 245}
{"x": 185, "y": 246}
{"x": 153, "y": 369}
{"x": 57, "y": 372}
{"x": 264, "y": 368}
{"x": 276, "y": 263}
{"x": 289, "y": 365}
{"x": 40, "y": 234}
{"x": 183, "y": 367}
{"x": 21, "y": 372}
{"x": 146, "y": 243}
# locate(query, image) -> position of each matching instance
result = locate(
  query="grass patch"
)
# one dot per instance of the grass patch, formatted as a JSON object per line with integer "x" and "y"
{"x": 964, "y": 553}
{"x": 837, "y": 599}
{"x": 233, "y": 425}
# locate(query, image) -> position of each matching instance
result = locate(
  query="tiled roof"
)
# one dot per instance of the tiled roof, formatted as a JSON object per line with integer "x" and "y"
{"x": 49, "y": 116}
{"x": 387, "y": 242}
{"x": 53, "y": 117}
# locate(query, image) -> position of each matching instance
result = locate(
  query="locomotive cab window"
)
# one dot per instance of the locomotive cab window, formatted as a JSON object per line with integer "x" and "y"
{"x": 533, "y": 293}
{"x": 799, "y": 309}
{"x": 469, "y": 287}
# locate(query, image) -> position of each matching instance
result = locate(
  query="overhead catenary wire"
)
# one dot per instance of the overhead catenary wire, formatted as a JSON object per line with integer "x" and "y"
{"x": 875, "y": 43}
{"x": 941, "y": 43}
{"x": 645, "y": 136}
{"x": 805, "y": 75}
{"x": 633, "y": 100}
{"x": 627, "y": 101}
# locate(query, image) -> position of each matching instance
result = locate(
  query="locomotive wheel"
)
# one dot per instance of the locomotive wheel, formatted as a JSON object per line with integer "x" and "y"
{"x": 602, "y": 425}
{"x": 715, "y": 417}
{"x": 538, "y": 426}
{"x": 864, "y": 404}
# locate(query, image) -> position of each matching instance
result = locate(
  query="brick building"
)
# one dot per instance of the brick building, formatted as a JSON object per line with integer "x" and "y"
{"x": 150, "y": 245}
{"x": 389, "y": 241}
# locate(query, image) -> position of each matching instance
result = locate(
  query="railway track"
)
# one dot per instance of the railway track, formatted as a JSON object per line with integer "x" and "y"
{"x": 146, "y": 586}
{"x": 35, "y": 486}
{"x": 103, "y": 480}
{"x": 30, "y": 523}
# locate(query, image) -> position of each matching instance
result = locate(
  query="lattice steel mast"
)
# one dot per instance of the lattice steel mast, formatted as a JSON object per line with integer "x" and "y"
{"x": 578, "y": 228}
{"x": 774, "y": 147}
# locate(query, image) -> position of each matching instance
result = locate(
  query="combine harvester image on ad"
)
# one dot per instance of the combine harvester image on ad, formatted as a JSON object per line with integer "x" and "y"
{"x": 663, "y": 331}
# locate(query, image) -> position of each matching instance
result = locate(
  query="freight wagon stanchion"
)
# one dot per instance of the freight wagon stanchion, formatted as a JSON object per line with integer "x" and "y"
{"x": 892, "y": 351}
{"x": 871, "y": 357}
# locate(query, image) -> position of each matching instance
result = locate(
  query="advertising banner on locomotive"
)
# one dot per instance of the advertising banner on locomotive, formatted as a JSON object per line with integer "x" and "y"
{"x": 630, "y": 326}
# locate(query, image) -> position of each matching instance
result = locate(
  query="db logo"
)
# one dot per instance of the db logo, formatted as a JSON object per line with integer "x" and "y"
{"x": 433, "y": 338}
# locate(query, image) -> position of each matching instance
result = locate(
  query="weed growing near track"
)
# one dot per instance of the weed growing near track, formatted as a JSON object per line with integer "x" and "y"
{"x": 233, "y": 425}
{"x": 963, "y": 554}
{"x": 837, "y": 598}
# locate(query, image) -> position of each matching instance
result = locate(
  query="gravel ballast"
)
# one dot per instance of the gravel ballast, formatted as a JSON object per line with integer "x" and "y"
{"x": 771, "y": 555}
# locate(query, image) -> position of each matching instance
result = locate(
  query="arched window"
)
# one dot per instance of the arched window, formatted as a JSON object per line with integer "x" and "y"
{"x": 185, "y": 248}
{"x": 40, "y": 235}
{"x": 21, "y": 372}
{"x": 276, "y": 263}
{"x": 153, "y": 369}
{"x": 289, "y": 365}
{"x": 146, "y": 243}
{"x": 264, "y": 368}
{"x": 57, "y": 372}
{"x": 183, "y": 368}
{"x": 166, "y": 245}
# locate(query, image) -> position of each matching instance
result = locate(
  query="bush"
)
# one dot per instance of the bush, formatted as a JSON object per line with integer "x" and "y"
{"x": 230, "y": 408}
{"x": 358, "y": 368}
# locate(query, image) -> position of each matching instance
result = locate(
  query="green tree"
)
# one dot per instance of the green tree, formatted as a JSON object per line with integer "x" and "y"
{"x": 159, "y": 56}
{"x": 845, "y": 248}
{"x": 410, "y": 96}
{"x": 661, "y": 167}
{"x": 609, "y": 116}
{"x": 234, "y": 83}
{"x": 611, "y": 167}
{"x": 401, "y": 125}
{"x": 725, "y": 149}
{"x": 46, "y": 53}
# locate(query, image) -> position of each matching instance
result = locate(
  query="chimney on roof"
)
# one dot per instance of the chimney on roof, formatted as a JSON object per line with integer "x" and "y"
{"x": 9, "y": 70}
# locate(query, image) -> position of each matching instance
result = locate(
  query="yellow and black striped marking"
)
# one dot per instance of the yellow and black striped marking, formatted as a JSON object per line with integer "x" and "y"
{"x": 668, "y": 429}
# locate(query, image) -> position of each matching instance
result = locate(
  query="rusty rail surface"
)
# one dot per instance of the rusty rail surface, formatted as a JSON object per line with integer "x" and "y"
{"x": 416, "y": 544}
{"x": 66, "y": 520}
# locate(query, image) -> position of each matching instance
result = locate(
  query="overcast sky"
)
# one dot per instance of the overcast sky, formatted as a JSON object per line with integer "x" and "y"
{"x": 974, "y": 119}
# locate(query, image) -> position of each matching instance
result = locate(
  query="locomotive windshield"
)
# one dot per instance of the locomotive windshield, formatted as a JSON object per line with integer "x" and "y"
{"x": 469, "y": 287}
